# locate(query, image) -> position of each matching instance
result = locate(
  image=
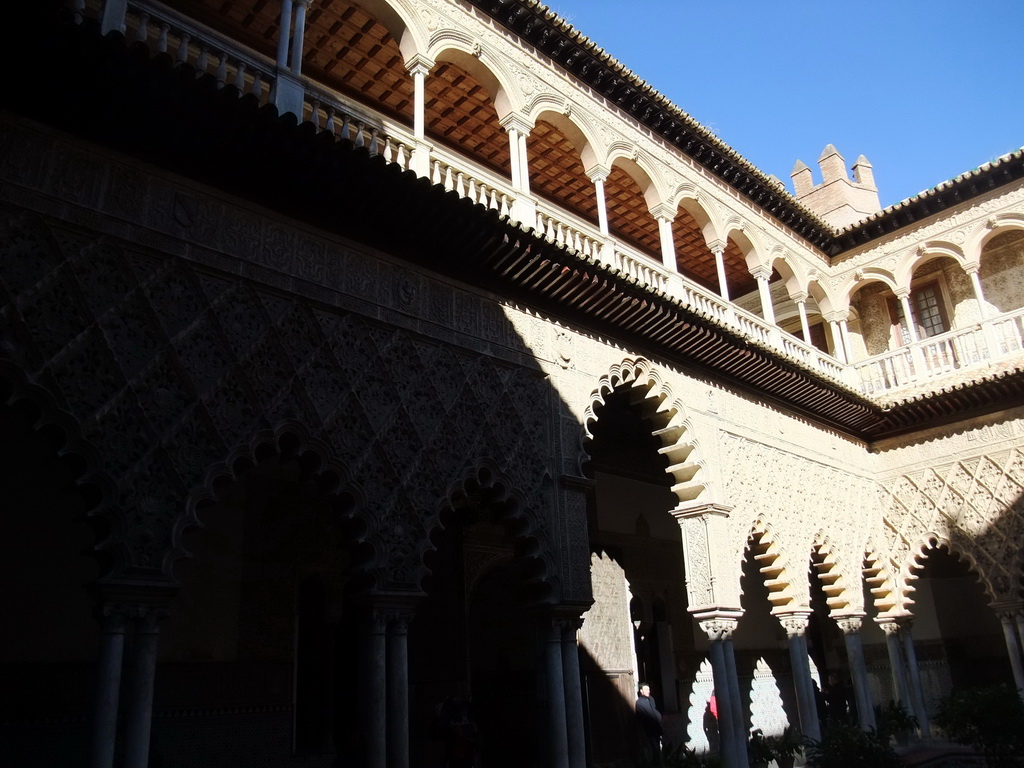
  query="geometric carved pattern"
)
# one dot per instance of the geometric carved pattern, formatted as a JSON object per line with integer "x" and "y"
{"x": 975, "y": 507}
{"x": 169, "y": 370}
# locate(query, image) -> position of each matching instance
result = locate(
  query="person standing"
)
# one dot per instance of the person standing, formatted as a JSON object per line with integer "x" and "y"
{"x": 649, "y": 719}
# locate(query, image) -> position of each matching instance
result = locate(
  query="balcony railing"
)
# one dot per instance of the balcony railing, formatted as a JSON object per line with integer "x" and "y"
{"x": 163, "y": 30}
{"x": 955, "y": 352}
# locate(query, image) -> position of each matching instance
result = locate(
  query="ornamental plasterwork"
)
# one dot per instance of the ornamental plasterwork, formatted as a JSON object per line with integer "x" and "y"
{"x": 943, "y": 227}
{"x": 796, "y": 494}
{"x": 977, "y": 505}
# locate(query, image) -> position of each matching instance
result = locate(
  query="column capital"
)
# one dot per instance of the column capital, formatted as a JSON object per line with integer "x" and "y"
{"x": 419, "y": 64}
{"x": 891, "y": 625}
{"x": 717, "y": 246}
{"x": 712, "y": 509}
{"x": 719, "y": 627}
{"x": 800, "y": 297}
{"x": 837, "y": 316}
{"x": 761, "y": 272}
{"x": 663, "y": 211}
{"x": 795, "y": 622}
{"x": 598, "y": 173}
{"x": 516, "y": 122}
{"x": 851, "y": 625}
{"x": 901, "y": 293}
{"x": 971, "y": 267}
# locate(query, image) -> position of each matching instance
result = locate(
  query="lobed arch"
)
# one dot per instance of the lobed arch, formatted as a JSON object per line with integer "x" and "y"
{"x": 831, "y": 569}
{"x": 485, "y": 487}
{"x": 878, "y": 576}
{"x": 763, "y": 544}
{"x": 76, "y": 458}
{"x": 908, "y": 572}
{"x": 934, "y": 249}
{"x": 686, "y": 465}
{"x": 290, "y": 441}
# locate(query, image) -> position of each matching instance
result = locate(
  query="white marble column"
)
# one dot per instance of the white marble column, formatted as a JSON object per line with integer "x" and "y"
{"x": 141, "y": 684}
{"x": 419, "y": 67}
{"x": 979, "y": 295}
{"x": 664, "y": 215}
{"x": 1007, "y": 619}
{"x": 373, "y": 693}
{"x": 732, "y": 740}
{"x": 298, "y": 35}
{"x": 764, "y": 291}
{"x": 284, "y": 34}
{"x": 903, "y": 294}
{"x": 718, "y": 249}
{"x": 113, "y": 624}
{"x": 558, "y": 740}
{"x": 573, "y": 687}
{"x": 736, "y": 701}
{"x": 916, "y": 689}
{"x": 795, "y": 625}
{"x": 398, "y": 689}
{"x": 800, "y": 299}
{"x": 598, "y": 176}
{"x": 113, "y": 15}
{"x": 524, "y": 207}
{"x": 896, "y": 665}
{"x": 851, "y": 626}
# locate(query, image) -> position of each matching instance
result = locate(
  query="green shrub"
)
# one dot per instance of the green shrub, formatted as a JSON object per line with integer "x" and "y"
{"x": 847, "y": 746}
{"x": 991, "y": 720}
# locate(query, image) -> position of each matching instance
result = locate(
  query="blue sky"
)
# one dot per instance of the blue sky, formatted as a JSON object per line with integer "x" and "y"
{"x": 925, "y": 90}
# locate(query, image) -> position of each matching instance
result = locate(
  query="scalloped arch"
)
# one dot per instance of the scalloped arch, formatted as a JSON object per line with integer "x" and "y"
{"x": 288, "y": 440}
{"x": 686, "y": 463}
{"x": 914, "y": 563}
{"x": 764, "y": 546}
{"x": 486, "y": 482}
{"x": 832, "y": 571}
{"x": 881, "y": 584}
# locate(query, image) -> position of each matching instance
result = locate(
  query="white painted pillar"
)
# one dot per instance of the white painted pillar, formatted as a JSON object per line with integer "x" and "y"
{"x": 298, "y": 35}
{"x": 838, "y": 347}
{"x": 572, "y": 684}
{"x": 139, "y": 717}
{"x": 284, "y": 34}
{"x": 795, "y": 625}
{"x": 851, "y": 627}
{"x": 108, "y": 686}
{"x": 524, "y": 160}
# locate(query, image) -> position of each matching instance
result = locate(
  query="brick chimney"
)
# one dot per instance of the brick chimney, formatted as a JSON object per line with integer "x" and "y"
{"x": 837, "y": 199}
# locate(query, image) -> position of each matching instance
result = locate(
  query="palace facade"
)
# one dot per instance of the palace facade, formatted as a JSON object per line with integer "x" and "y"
{"x": 365, "y": 359}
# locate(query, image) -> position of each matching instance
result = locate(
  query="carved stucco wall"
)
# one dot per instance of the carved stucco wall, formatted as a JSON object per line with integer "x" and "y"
{"x": 167, "y": 321}
{"x": 964, "y": 488}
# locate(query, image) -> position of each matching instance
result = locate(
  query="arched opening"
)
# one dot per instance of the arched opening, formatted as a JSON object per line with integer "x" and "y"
{"x": 557, "y": 173}
{"x": 629, "y": 218}
{"x": 1002, "y": 271}
{"x": 957, "y": 638}
{"x": 474, "y": 643}
{"x": 265, "y": 626}
{"x": 640, "y": 629}
{"x": 694, "y": 259}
